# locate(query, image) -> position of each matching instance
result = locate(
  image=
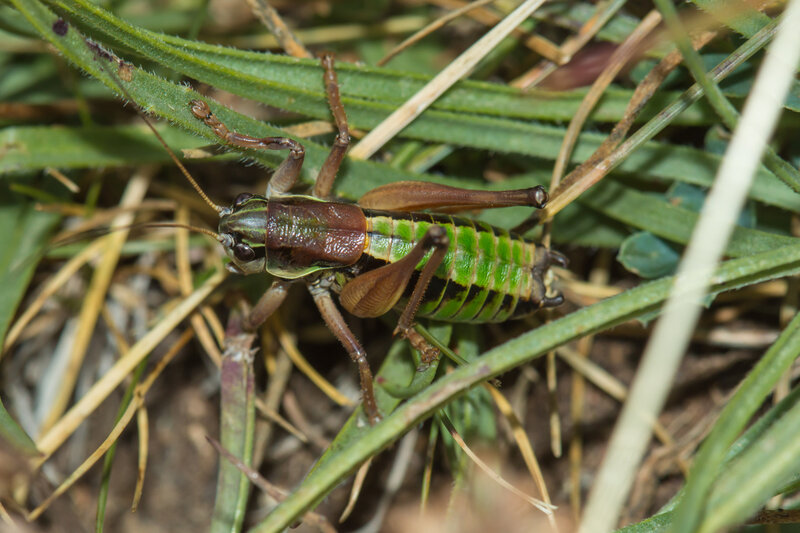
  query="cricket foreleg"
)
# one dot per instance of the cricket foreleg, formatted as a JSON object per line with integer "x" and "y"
{"x": 324, "y": 184}
{"x": 267, "y": 304}
{"x": 418, "y": 195}
{"x": 287, "y": 172}
{"x": 333, "y": 318}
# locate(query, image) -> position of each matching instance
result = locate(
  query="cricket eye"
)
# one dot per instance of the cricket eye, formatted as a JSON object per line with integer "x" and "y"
{"x": 242, "y": 198}
{"x": 243, "y": 252}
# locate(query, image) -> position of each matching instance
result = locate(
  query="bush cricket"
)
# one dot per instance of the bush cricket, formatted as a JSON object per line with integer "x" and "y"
{"x": 383, "y": 252}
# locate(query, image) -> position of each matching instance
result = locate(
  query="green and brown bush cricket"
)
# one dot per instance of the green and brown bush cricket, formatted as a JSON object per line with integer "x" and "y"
{"x": 383, "y": 252}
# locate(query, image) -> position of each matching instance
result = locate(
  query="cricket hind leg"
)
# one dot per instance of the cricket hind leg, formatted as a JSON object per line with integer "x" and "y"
{"x": 285, "y": 176}
{"x": 327, "y": 174}
{"x": 438, "y": 240}
{"x": 336, "y": 323}
{"x": 419, "y": 195}
{"x": 376, "y": 292}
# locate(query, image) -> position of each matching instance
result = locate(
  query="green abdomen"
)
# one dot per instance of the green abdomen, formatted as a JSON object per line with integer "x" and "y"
{"x": 487, "y": 274}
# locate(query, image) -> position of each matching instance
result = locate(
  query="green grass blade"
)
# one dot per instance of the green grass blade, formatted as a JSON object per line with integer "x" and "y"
{"x": 756, "y": 475}
{"x": 237, "y": 429}
{"x": 294, "y": 84}
{"x": 39, "y": 147}
{"x": 737, "y": 15}
{"x": 750, "y": 395}
{"x": 26, "y": 235}
{"x": 12, "y": 434}
{"x": 669, "y": 221}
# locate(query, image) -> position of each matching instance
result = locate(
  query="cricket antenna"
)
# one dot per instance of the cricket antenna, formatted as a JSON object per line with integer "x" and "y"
{"x": 220, "y": 210}
{"x": 77, "y": 237}
{"x": 196, "y": 229}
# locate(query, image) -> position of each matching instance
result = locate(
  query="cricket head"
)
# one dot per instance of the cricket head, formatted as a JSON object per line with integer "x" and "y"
{"x": 242, "y": 232}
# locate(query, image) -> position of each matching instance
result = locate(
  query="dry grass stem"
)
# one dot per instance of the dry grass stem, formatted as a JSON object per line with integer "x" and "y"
{"x": 355, "y": 490}
{"x": 430, "y": 28}
{"x": 629, "y": 48}
{"x": 272, "y": 20}
{"x": 597, "y": 166}
{"x": 455, "y": 71}
{"x": 143, "y": 427}
{"x": 184, "y": 269}
{"x": 67, "y": 424}
{"x": 488, "y": 17}
{"x": 95, "y": 295}
{"x": 134, "y": 406}
{"x": 494, "y": 476}
{"x": 70, "y": 185}
{"x": 288, "y": 344}
{"x": 276, "y": 417}
{"x": 335, "y": 34}
{"x": 523, "y": 444}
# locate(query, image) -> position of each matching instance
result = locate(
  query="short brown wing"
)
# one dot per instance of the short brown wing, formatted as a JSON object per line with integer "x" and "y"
{"x": 376, "y": 292}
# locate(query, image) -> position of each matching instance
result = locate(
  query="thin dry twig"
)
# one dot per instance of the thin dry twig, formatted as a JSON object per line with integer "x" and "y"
{"x": 295, "y": 413}
{"x": 67, "y": 424}
{"x": 594, "y": 169}
{"x": 494, "y": 476}
{"x": 604, "y": 381}
{"x": 99, "y": 217}
{"x": 355, "y": 490}
{"x": 394, "y": 481}
{"x": 272, "y": 20}
{"x": 273, "y": 415}
{"x": 455, "y": 71}
{"x": 95, "y": 295}
{"x": 143, "y": 427}
{"x": 279, "y": 369}
{"x": 626, "y": 51}
{"x": 430, "y": 28}
{"x": 53, "y": 284}
{"x": 62, "y": 179}
{"x": 524, "y": 445}
{"x": 288, "y": 344}
{"x": 133, "y": 407}
{"x": 487, "y": 17}
{"x": 551, "y": 380}
{"x": 599, "y": 275}
{"x": 401, "y": 25}
{"x": 276, "y": 493}
{"x": 184, "y": 269}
